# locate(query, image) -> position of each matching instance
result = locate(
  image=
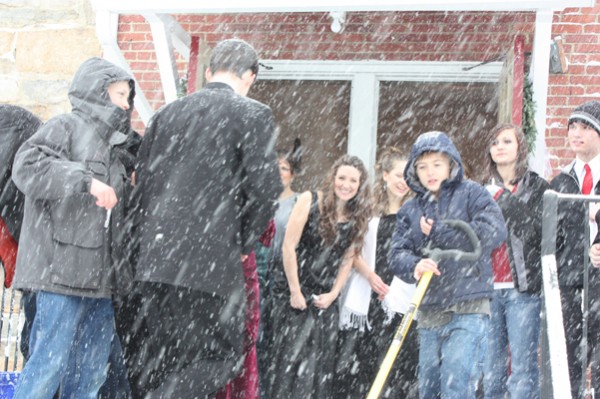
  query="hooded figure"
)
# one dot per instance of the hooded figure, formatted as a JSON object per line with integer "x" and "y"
{"x": 63, "y": 228}
{"x": 454, "y": 314}
{"x": 16, "y": 125}
{"x": 75, "y": 184}
{"x": 458, "y": 199}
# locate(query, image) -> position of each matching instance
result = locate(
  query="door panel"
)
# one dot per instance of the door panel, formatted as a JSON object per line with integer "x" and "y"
{"x": 463, "y": 110}
{"x": 315, "y": 111}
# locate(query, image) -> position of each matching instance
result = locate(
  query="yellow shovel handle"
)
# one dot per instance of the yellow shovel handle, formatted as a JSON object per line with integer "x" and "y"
{"x": 399, "y": 336}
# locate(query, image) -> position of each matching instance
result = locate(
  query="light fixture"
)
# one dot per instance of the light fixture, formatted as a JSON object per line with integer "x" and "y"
{"x": 338, "y": 19}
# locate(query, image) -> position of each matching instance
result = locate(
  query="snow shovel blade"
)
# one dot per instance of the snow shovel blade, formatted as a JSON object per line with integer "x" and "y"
{"x": 435, "y": 254}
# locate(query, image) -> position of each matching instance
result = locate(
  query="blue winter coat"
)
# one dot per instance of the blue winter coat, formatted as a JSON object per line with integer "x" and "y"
{"x": 458, "y": 199}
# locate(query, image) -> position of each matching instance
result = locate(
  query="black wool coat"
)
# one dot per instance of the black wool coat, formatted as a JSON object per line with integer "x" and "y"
{"x": 16, "y": 125}
{"x": 207, "y": 184}
{"x": 571, "y": 243}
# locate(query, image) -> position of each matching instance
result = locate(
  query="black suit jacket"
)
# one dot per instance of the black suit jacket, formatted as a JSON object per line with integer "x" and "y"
{"x": 571, "y": 243}
{"x": 208, "y": 182}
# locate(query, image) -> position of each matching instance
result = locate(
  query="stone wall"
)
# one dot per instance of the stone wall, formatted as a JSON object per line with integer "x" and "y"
{"x": 42, "y": 43}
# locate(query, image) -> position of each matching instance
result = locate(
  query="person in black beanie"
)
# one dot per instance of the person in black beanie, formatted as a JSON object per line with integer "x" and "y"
{"x": 581, "y": 176}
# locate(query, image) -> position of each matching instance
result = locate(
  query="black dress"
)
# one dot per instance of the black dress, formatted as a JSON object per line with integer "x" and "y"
{"x": 360, "y": 353}
{"x": 303, "y": 347}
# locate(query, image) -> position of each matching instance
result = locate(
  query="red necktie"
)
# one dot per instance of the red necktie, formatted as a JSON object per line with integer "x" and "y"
{"x": 588, "y": 182}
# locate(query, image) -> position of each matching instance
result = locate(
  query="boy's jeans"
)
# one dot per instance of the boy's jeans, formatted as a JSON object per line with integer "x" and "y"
{"x": 516, "y": 322}
{"x": 70, "y": 343}
{"x": 449, "y": 357}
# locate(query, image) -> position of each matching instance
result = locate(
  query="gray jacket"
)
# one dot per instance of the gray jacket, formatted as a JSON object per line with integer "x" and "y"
{"x": 66, "y": 244}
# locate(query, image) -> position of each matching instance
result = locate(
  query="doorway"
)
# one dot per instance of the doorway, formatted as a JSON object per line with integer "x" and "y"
{"x": 314, "y": 111}
{"x": 465, "y": 111}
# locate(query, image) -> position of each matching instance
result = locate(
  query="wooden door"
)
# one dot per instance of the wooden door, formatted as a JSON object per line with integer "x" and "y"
{"x": 510, "y": 93}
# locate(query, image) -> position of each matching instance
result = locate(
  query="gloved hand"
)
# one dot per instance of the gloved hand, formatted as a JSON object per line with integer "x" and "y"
{"x": 493, "y": 189}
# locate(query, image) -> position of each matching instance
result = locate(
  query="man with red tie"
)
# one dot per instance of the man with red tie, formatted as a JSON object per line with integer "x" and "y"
{"x": 581, "y": 176}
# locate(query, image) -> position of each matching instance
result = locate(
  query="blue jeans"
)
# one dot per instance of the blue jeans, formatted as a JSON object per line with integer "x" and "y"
{"x": 70, "y": 343}
{"x": 116, "y": 385}
{"x": 449, "y": 355}
{"x": 515, "y": 325}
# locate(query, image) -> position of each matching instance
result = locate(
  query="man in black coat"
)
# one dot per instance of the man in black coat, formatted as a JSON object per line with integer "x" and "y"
{"x": 572, "y": 244}
{"x": 207, "y": 184}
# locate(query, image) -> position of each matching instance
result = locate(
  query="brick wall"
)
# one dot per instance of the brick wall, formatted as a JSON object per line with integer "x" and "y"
{"x": 388, "y": 36}
{"x": 366, "y": 36}
{"x": 580, "y": 30}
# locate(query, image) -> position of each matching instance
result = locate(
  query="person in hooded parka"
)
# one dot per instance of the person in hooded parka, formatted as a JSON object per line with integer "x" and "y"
{"x": 454, "y": 313}
{"x": 207, "y": 184}
{"x": 74, "y": 181}
{"x": 16, "y": 125}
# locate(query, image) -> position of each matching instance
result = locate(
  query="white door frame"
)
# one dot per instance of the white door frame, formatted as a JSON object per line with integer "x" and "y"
{"x": 364, "y": 95}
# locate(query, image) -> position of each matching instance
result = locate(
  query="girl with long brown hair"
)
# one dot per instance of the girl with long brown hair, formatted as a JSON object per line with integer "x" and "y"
{"x": 370, "y": 309}
{"x": 325, "y": 231}
{"x": 516, "y": 265}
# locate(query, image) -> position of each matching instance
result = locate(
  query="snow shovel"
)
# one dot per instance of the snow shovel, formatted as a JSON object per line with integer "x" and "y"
{"x": 436, "y": 255}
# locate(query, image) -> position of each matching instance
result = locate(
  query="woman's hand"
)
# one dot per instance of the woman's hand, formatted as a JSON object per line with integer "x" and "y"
{"x": 297, "y": 300}
{"x": 323, "y": 301}
{"x": 377, "y": 285}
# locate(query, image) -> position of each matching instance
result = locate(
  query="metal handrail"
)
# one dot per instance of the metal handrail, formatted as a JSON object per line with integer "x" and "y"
{"x": 554, "y": 374}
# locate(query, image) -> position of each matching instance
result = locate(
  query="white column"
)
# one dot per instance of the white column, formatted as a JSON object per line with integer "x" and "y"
{"x": 364, "y": 102}
{"x": 539, "y": 74}
{"x": 107, "y": 25}
{"x": 163, "y": 45}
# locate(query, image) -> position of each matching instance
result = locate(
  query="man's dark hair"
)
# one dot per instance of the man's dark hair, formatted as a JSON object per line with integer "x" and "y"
{"x": 235, "y": 56}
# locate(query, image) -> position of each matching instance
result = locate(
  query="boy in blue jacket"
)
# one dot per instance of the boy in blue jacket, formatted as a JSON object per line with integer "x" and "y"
{"x": 454, "y": 314}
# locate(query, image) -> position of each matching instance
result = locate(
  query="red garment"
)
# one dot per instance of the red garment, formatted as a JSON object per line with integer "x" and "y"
{"x": 8, "y": 253}
{"x": 588, "y": 181}
{"x": 267, "y": 236}
{"x": 501, "y": 265}
{"x": 500, "y": 258}
{"x": 245, "y": 386}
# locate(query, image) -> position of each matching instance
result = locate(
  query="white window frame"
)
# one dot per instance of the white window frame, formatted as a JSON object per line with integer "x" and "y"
{"x": 365, "y": 77}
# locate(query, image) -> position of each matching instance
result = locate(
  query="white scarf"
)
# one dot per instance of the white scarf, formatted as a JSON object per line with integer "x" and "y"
{"x": 356, "y": 295}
